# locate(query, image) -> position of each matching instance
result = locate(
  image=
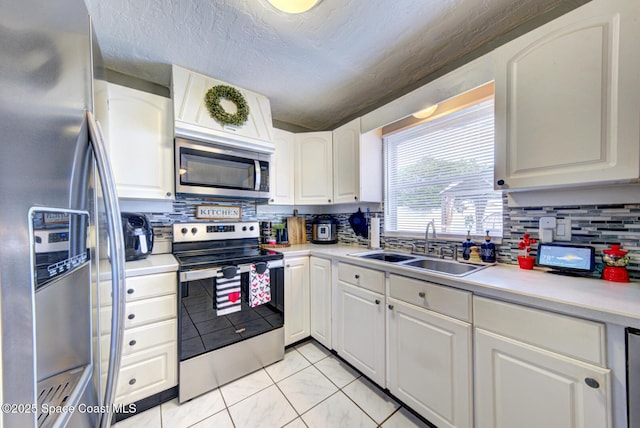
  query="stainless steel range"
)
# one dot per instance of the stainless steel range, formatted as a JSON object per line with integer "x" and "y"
{"x": 232, "y": 304}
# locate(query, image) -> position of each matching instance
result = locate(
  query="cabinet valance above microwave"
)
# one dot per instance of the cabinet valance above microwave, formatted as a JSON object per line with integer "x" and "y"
{"x": 193, "y": 121}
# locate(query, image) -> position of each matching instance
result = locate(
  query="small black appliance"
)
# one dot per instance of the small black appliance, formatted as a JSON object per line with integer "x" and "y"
{"x": 138, "y": 236}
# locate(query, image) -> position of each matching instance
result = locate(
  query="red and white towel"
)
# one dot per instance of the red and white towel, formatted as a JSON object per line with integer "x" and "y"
{"x": 259, "y": 285}
{"x": 228, "y": 295}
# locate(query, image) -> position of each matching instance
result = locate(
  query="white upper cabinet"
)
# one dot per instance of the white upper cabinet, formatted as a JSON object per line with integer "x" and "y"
{"x": 357, "y": 164}
{"x": 282, "y": 167}
{"x": 313, "y": 168}
{"x": 567, "y": 110}
{"x": 192, "y": 118}
{"x": 139, "y": 133}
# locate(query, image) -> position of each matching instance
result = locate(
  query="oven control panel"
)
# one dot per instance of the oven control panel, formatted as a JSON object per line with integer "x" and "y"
{"x": 214, "y": 231}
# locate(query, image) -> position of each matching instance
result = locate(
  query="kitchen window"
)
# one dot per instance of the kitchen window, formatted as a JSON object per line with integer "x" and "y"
{"x": 441, "y": 169}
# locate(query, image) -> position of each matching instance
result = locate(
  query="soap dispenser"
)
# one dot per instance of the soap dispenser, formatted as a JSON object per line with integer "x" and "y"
{"x": 466, "y": 246}
{"x": 488, "y": 250}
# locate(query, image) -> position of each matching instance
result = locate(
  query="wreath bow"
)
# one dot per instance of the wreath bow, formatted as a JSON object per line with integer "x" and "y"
{"x": 212, "y": 101}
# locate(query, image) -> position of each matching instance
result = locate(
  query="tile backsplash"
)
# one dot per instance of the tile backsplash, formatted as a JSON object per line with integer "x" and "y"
{"x": 595, "y": 225}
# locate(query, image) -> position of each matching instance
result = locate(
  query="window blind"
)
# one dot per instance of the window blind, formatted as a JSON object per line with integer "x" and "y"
{"x": 442, "y": 170}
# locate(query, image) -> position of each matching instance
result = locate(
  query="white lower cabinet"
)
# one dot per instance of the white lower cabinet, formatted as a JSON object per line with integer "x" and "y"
{"x": 320, "y": 297}
{"x": 430, "y": 355}
{"x": 361, "y": 319}
{"x": 149, "y": 362}
{"x": 296, "y": 300}
{"x": 519, "y": 384}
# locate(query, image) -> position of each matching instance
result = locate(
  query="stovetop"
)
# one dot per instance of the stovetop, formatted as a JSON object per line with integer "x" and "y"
{"x": 201, "y": 260}
{"x": 210, "y": 244}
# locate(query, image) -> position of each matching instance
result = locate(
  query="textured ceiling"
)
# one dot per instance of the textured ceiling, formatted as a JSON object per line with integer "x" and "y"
{"x": 341, "y": 58}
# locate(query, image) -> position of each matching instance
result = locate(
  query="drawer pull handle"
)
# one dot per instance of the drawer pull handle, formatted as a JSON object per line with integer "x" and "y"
{"x": 130, "y": 291}
{"x": 377, "y": 301}
{"x": 422, "y": 294}
{"x": 357, "y": 276}
{"x": 131, "y": 316}
{"x": 132, "y": 343}
{"x": 592, "y": 382}
{"x": 132, "y": 381}
{"x": 390, "y": 307}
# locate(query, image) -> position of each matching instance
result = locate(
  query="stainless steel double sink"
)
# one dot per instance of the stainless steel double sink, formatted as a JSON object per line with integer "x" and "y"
{"x": 425, "y": 263}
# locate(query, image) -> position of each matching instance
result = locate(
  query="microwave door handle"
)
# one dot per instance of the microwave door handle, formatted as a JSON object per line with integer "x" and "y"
{"x": 258, "y": 176}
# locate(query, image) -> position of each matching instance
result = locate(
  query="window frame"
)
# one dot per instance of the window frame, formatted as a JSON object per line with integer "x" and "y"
{"x": 465, "y": 100}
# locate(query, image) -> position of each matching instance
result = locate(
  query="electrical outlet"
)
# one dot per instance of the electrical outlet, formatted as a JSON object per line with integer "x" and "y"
{"x": 563, "y": 229}
{"x": 546, "y": 228}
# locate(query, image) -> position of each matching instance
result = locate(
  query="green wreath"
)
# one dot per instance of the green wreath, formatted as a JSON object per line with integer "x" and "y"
{"x": 212, "y": 100}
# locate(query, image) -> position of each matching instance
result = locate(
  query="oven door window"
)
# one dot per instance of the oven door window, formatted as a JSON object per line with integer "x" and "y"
{"x": 202, "y": 330}
{"x": 199, "y": 168}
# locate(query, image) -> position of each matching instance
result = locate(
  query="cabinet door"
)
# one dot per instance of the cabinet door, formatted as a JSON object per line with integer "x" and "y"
{"x": 282, "y": 166}
{"x": 361, "y": 336}
{"x": 346, "y": 162}
{"x": 566, "y": 100}
{"x": 140, "y": 141}
{"x": 519, "y": 385}
{"x": 320, "y": 307}
{"x": 313, "y": 168}
{"x": 296, "y": 300}
{"x": 430, "y": 364}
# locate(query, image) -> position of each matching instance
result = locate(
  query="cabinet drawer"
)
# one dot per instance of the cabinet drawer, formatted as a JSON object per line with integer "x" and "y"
{"x": 362, "y": 277}
{"x": 146, "y": 373}
{"x": 142, "y": 312}
{"x": 142, "y": 338}
{"x": 142, "y": 287}
{"x": 574, "y": 337}
{"x": 438, "y": 298}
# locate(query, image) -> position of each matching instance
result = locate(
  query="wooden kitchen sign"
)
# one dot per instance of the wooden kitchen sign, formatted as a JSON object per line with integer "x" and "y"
{"x": 218, "y": 212}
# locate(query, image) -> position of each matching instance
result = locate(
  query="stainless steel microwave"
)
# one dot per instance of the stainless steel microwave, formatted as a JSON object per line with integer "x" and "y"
{"x": 219, "y": 171}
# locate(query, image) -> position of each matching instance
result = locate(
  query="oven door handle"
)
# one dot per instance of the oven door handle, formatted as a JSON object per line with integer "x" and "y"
{"x": 194, "y": 275}
{"x": 213, "y": 272}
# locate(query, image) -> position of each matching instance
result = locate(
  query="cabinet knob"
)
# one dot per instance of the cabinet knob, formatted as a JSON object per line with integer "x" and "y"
{"x": 169, "y": 194}
{"x": 288, "y": 266}
{"x": 592, "y": 382}
{"x": 422, "y": 294}
{"x": 329, "y": 200}
{"x": 500, "y": 182}
{"x": 355, "y": 197}
{"x": 131, "y": 291}
{"x": 132, "y": 381}
{"x": 131, "y": 316}
{"x": 390, "y": 307}
{"x": 273, "y": 200}
{"x": 132, "y": 343}
{"x": 357, "y": 276}
{"x": 377, "y": 301}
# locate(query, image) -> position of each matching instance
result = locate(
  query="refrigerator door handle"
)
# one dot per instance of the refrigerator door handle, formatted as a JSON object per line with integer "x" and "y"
{"x": 116, "y": 251}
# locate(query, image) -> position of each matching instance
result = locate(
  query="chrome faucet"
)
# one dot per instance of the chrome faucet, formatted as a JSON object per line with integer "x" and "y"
{"x": 427, "y": 246}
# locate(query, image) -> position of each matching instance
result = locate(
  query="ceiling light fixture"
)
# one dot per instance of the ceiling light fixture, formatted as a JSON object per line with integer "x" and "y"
{"x": 425, "y": 113}
{"x": 293, "y": 6}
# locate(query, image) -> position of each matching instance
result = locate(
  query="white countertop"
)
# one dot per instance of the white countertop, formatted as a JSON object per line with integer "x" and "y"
{"x": 617, "y": 303}
{"x": 154, "y": 263}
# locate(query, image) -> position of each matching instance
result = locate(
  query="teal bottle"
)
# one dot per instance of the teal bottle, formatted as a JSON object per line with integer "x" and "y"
{"x": 466, "y": 246}
{"x": 488, "y": 250}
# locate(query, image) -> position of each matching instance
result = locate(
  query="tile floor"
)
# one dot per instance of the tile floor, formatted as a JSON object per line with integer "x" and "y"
{"x": 309, "y": 388}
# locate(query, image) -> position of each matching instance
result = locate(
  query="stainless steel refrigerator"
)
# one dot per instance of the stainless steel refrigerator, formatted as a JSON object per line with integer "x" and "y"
{"x": 59, "y": 216}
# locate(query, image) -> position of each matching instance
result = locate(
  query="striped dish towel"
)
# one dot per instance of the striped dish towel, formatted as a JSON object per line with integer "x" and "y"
{"x": 228, "y": 296}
